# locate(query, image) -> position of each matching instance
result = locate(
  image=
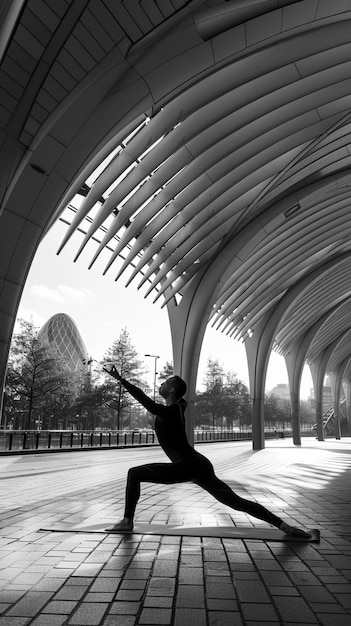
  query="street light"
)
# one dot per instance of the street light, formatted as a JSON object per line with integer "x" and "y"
{"x": 154, "y": 356}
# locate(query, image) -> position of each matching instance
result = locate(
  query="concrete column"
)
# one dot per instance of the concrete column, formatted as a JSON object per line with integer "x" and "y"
{"x": 336, "y": 378}
{"x": 318, "y": 372}
{"x": 188, "y": 322}
{"x": 294, "y": 364}
{"x": 258, "y": 349}
{"x": 295, "y": 416}
{"x": 337, "y": 420}
{"x": 319, "y": 417}
{"x": 348, "y": 406}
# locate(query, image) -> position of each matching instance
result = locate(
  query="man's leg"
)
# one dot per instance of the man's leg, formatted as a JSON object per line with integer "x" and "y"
{"x": 224, "y": 494}
{"x": 160, "y": 473}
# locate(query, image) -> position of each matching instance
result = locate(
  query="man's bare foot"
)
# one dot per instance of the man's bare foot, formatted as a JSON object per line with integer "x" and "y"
{"x": 293, "y": 531}
{"x": 124, "y": 525}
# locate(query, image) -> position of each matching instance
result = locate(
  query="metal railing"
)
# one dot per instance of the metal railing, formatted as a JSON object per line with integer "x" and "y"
{"x": 26, "y": 440}
{"x": 221, "y": 435}
{"x": 23, "y": 440}
{"x": 15, "y": 440}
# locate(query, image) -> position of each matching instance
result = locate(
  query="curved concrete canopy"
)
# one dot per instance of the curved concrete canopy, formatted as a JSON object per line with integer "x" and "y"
{"x": 222, "y": 132}
{"x": 336, "y": 325}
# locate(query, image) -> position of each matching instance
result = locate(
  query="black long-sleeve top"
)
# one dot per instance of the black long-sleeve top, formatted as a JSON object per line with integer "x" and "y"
{"x": 169, "y": 423}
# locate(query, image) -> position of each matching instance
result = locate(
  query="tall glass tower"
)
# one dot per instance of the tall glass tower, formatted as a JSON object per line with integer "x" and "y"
{"x": 61, "y": 333}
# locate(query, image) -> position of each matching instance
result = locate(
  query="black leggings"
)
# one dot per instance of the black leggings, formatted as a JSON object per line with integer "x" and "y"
{"x": 191, "y": 468}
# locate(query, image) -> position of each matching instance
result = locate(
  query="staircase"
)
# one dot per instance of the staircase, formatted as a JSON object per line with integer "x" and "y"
{"x": 329, "y": 419}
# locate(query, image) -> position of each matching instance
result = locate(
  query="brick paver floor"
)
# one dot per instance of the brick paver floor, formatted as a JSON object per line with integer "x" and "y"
{"x": 81, "y": 579}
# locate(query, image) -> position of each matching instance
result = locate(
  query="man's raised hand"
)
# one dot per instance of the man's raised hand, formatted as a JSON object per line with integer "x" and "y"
{"x": 113, "y": 372}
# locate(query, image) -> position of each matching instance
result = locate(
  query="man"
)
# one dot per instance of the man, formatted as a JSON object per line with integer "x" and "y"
{"x": 186, "y": 463}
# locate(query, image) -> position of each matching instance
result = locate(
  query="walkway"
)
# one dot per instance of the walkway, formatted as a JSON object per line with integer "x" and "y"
{"x": 56, "y": 579}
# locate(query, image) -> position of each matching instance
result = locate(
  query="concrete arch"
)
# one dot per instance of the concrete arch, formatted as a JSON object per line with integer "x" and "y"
{"x": 226, "y": 201}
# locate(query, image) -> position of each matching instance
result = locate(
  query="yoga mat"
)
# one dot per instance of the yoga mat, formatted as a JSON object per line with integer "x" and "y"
{"x": 228, "y": 532}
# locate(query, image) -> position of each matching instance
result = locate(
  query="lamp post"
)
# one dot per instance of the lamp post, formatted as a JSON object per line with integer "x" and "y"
{"x": 154, "y": 356}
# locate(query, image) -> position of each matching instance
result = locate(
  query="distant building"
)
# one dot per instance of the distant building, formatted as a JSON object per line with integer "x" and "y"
{"x": 61, "y": 333}
{"x": 327, "y": 397}
{"x": 282, "y": 390}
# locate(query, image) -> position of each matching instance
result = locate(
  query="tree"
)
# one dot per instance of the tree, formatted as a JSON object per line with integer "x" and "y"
{"x": 224, "y": 401}
{"x": 307, "y": 414}
{"x": 236, "y": 402}
{"x": 35, "y": 378}
{"x": 88, "y": 410}
{"x": 166, "y": 372}
{"x": 277, "y": 411}
{"x": 125, "y": 357}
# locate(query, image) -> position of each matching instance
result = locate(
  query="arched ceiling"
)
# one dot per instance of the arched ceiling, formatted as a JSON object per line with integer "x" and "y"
{"x": 187, "y": 126}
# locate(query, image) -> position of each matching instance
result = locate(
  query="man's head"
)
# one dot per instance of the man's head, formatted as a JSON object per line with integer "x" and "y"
{"x": 175, "y": 385}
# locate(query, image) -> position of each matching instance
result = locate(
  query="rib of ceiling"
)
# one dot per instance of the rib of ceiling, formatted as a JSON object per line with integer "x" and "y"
{"x": 336, "y": 326}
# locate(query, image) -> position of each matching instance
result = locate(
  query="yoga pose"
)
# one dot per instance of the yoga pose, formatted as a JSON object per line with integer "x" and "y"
{"x": 186, "y": 463}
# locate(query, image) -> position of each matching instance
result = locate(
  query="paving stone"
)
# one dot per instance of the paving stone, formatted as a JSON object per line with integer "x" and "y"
{"x": 304, "y": 578}
{"x": 340, "y": 589}
{"x": 161, "y": 587}
{"x": 168, "y": 552}
{"x": 190, "y": 575}
{"x": 124, "y": 608}
{"x": 327, "y": 608}
{"x": 190, "y": 596}
{"x": 221, "y": 604}
{"x": 344, "y": 599}
{"x": 137, "y": 573}
{"x": 246, "y": 575}
{"x": 191, "y": 560}
{"x": 284, "y": 591}
{"x": 49, "y": 620}
{"x": 219, "y": 568}
{"x": 133, "y": 584}
{"x": 28, "y": 578}
{"x": 63, "y": 607}
{"x": 251, "y": 592}
{"x": 257, "y": 611}
{"x": 88, "y": 614}
{"x": 218, "y": 590}
{"x": 30, "y": 604}
{"x": 88, "y": 569}
{"x": 156, "y": 616}
{"x": 123, "y": 620}
{"x": 70, "y": 592}
{"x": 267, "y": 565}
{"x": 214, "y": 555}
{"x": 105, "y": 585}
{"x": 99, "y": 597}
{"x": 278, "y": 579}
{"x": 315, "y": 593}
{"x": 239, "y": 557}
{"x": 217, "y": 618}
{"x": 165, "y": 602}
{"x": 129, "y": 595}
{"x": 195, "y": 617}
{"x": 13, "y": 621}
{"x": 336, "y": 620}
{"x": 165, "y": 568}
{"x": 271, "y": 623}
{"x": 295, "y": 610}
{"x": 11, "y": 596}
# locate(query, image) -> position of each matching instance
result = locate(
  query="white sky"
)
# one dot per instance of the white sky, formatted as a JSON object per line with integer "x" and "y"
{"x": 102, "y": 307}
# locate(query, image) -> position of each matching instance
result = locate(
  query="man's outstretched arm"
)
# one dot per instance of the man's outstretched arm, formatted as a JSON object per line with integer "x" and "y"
{"x": 137, "y": 393}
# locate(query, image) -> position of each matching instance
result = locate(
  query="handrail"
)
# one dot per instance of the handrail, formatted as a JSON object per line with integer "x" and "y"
{"x": 51, "y": 440}
{"x": 16, "y": 440}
